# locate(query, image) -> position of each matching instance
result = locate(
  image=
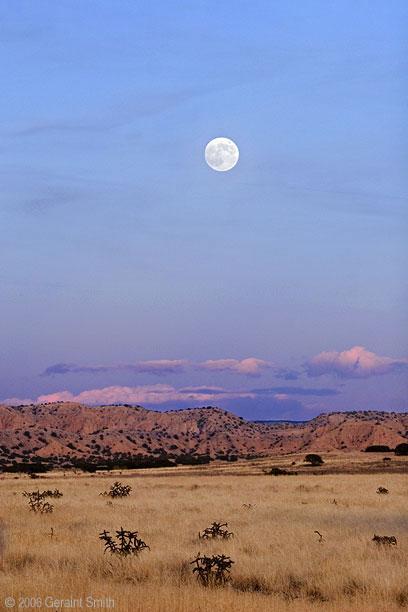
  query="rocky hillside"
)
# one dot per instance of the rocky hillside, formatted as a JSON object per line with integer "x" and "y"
{"x": 64, "y": 431}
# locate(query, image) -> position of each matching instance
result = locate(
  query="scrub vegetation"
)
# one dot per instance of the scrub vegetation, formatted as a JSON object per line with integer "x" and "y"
{"x": 275, "y": 561}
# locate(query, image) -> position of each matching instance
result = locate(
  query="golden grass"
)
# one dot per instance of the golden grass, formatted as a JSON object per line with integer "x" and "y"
{"x": 279, "y": 563}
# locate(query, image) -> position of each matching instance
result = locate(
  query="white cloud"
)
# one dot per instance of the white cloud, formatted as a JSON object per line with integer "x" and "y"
{"x": 145, "y": 394}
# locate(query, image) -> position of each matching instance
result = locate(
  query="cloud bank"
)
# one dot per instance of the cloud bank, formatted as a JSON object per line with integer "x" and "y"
{"x": 164, "y": 394}
{"x": 145, "y": 394}
{"x": 357, "y": 362}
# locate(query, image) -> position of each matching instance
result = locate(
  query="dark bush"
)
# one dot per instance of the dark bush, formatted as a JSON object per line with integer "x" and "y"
{"x": 212, "y": 571}
{"x": 313, "y": 459}
{"x": 215, "y": 531}
{"x": 87, "y": 467}
{"x": 36, "y": 501}
{"x": 277, "y": 471}
{"x": 377, "y": 448}
{"x": 126, "y": 543}
{"x": 27, "y": 468}
{"x": 402, "y": 449}
{"x": 118, "y": 490}
{"x": 193, "y": 460}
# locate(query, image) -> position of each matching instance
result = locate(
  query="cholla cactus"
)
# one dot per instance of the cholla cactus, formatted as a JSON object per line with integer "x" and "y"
{"x": 117, "y": 490}
{"x": 36, "y": 502}
{"x": 216, "y": 531}
{"x": 212, "y": 571}
{"x": 126, "y": 543}
{"x": 56, "y": 494}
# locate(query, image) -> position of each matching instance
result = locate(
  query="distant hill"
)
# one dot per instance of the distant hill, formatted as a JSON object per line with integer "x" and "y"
{"x": 64, "y": 431}
{"x": 277, "y": 421}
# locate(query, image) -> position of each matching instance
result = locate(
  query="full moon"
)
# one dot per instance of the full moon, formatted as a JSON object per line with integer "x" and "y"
{"x": 221, "y": 154}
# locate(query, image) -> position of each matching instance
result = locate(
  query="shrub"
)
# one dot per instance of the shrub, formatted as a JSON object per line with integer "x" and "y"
{"x": 37, "y": 496}
{"x": 126, "y": 543}
{"x": 212, "y": 571}
{"x": 216, "y": 531}
{"x": 117, "y": 490}
{"x": 382, "y": 491}
{"x": 314, "y": 459}
{"x": 41, "y": 506}
{"x": 402, "y": 449}
{"x": 193, "y": 460}
{"x": 56, "y": 494}
{"x": 36, "y": 502}
{"x": 277, "y": 471}
{"x": 377, "y": 448}
{"x": 27, "y": 468}
{"x": 87, "y": 467}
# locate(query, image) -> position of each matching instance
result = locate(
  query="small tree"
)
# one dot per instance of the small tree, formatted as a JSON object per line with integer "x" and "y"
{"x": 402, "y": 449}
{"x": 314, "y": 459}
{"x": 377, "y": 448}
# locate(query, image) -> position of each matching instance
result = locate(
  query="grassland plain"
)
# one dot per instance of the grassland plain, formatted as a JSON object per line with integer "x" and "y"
{"x": 280, "y": 564}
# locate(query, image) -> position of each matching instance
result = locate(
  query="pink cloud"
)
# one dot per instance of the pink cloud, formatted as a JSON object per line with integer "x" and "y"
{"x": 357, "y": 362}
{"x": 16, "y": 401}
{"x": 145, "y": 394}
{"x": 249, "y": 367}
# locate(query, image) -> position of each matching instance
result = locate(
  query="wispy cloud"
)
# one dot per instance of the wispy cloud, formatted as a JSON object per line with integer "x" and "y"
{"x": 287, "y": 373}
{"x": 250, "y": 366}
{"x": 247, "y": 367}
{"x": 146, "y": 104}
{"x": 50, "y": 198}
{"x": 356, "y": 362}
{"x": 287, "y": 391}
{"x": 158, "y": 367}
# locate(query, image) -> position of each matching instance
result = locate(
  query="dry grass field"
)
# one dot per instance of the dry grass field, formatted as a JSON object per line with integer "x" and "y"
{"x": 280, "y": 564}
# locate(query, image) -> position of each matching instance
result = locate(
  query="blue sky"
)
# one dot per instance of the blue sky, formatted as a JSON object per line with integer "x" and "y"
{"x": 119, "y": 245}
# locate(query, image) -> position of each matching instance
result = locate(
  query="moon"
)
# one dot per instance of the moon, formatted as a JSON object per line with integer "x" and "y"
{"x": 221, "y": 154}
